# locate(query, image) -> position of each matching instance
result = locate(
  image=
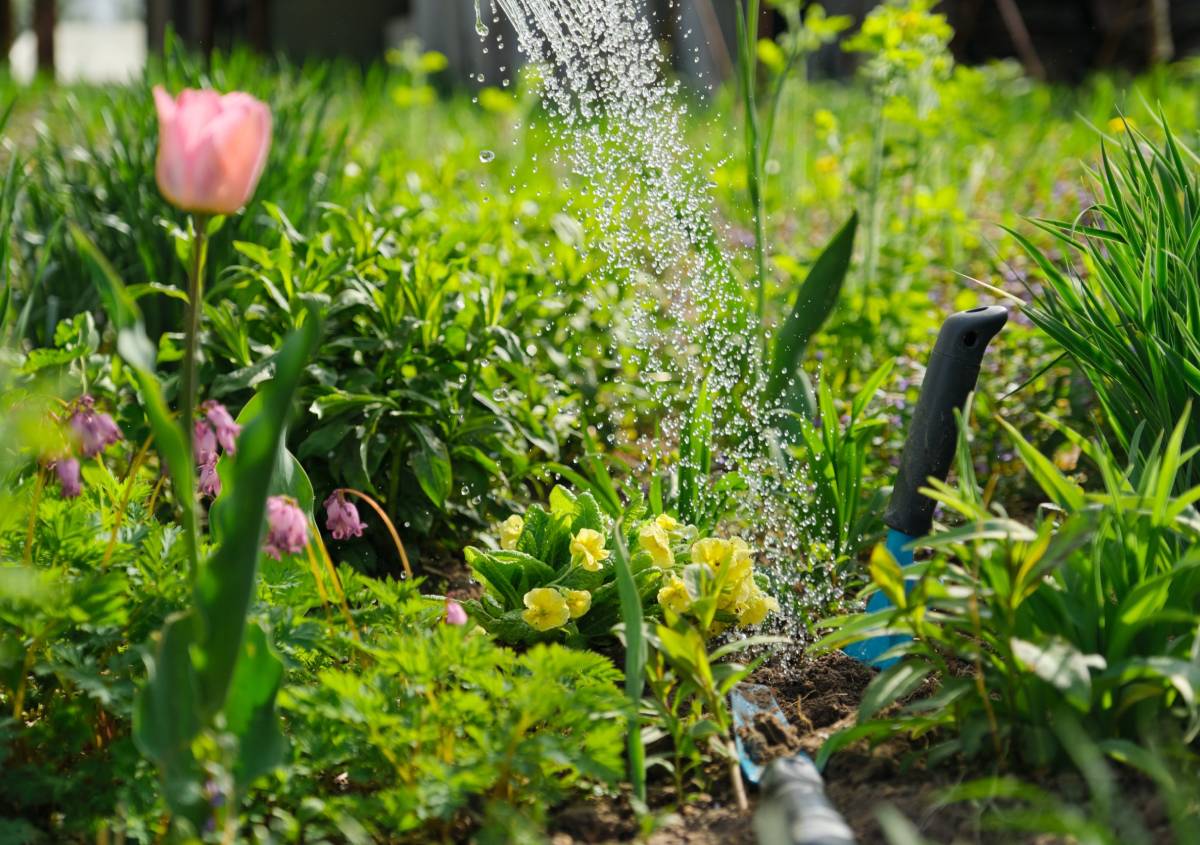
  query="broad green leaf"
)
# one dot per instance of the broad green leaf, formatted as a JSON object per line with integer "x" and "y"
{"x": 812, "y": 306}
{"x": 167, "y": 717}
{"x": 431, "y": 463}
{"x": 226, "y": 582}
{"x": 250, "y": 708}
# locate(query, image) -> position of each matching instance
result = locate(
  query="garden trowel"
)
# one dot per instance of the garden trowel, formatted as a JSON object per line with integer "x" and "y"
{"x": 932, "y": 440}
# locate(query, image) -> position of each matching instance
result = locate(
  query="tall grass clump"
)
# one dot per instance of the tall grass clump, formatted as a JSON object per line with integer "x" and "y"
{"x": 1127, "y": 310}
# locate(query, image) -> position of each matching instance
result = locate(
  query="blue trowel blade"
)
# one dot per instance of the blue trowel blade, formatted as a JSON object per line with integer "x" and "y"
{"x": 870, "y": 651}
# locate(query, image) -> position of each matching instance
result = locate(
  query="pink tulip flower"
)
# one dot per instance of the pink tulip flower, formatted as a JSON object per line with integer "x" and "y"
{"x": 212, "y": 149}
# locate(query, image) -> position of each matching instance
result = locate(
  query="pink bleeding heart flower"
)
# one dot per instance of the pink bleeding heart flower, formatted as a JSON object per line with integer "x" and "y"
{"x": 455, "y": 615}
{"x": 204, "y": 441}
{"x": 67, "y": 470}
{"x": 210, "y": 482}
{"x": 212, "y": 149}
{"x": 94, "y": 430}
{"x": 287, "y": 528}
{"x": 227, "y": 430}
{"x": 341, "y": 517}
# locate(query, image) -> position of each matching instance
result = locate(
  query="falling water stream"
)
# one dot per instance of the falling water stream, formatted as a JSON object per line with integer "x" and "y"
{"x": 620, "y": 126}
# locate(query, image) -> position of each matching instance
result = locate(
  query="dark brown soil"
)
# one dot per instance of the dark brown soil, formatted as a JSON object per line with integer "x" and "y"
{"x": 818, "y": 698}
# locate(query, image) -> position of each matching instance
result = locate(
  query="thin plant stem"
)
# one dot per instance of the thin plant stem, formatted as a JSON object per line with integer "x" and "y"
{"x": 158, "y": 486}
{"x": 119, "y": 517}
{"x": 187, "y": 395}
{"x": 386, "y": 521}
{"x": 337, "y": 582}
{"x": 735, "y": 775}
{"x": 23, "y": 681}
{"x": 320, "y": 582}
{"x": 874, "y": 184}
{"x": 747, "y": 65}
{"x": 38, "y": 484}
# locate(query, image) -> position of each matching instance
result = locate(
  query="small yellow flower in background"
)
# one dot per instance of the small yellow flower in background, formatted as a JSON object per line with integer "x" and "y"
{"x": 579, "y": 602}
{"x": 826, "y": 164}
{"x": 654, "y": 539}
{"x": 1121, "y": 124}
{"x": 712, "y": 551}
{"x": 510, "y": 532}
{"x": 587, "y": 547}
{"x": 667, "y": 522}
{"x": 825, "y": 121}
{"x": 674, "y": 596}
{"x": 757, "y": 608}
{"x": 546, "y": 609}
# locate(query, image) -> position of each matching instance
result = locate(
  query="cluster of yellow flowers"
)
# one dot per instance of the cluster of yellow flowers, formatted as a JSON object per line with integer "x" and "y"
{"x": 547, "y": 608}
{"x": 732, "y": 563}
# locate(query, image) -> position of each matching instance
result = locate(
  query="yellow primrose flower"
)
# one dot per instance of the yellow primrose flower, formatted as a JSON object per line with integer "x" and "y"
{"x": 756, "y": 610}
{"x": 1120, "y": 124}
{"x": 579, "y": 602}
{"x": 510, "y": 532}
{"x": 654, "y": 539}
{"x": 546, "y": 609}
{"x": 674, "y": 596}
{"x": 587, "y": 547}
{"x": 737, "y": 593}
{"x": 711, "y": 550}
{"x": 667, "y": 522}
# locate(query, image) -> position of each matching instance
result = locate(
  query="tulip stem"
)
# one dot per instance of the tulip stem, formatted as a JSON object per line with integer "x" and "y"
{"x": 191, "y": 354}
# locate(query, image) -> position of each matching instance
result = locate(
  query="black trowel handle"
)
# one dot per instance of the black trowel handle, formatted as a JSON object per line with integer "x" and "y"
{"x": 933, "y": 436}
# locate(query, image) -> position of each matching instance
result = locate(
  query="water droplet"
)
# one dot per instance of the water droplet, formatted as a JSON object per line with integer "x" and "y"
{"x": 487, "y": 156}
{"x": 481, "y": 28}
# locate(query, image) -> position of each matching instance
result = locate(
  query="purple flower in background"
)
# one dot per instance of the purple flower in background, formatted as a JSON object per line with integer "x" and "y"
{"x": 210, "y": 482}
{"x": 67, "y": 470}
{"x": 226, "y": 429}
{"x": 204, "y": 441}
{"x": 455, "y": 615}
{"x": 287, "y": 529}
{"x": 95, "y": 431}
{"x": 341, "y": 517}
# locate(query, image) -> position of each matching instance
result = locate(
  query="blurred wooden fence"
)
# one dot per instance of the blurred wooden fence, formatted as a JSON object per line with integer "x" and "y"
{"x": 1063, "y": 39}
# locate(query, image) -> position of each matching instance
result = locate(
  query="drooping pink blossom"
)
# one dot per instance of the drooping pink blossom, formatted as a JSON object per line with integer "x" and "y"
{"x": 287, "y": 527}
{"x": 94, "y": 430}
{"x": 67, "y": 470}
{"x": 204, "y": 441}
{"x": 210, "y": 482}
{"x": 455, "y": 614}
{"x": 341, "y": 517}
{"x": 227, "y": 430}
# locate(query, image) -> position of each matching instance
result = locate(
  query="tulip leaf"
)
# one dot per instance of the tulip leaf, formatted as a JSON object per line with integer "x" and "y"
{"x": 250, "y": 708}
{"x": 166, "y": 716}
{"x": 814, "y": 302}
{"x": 226, "y": 582}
